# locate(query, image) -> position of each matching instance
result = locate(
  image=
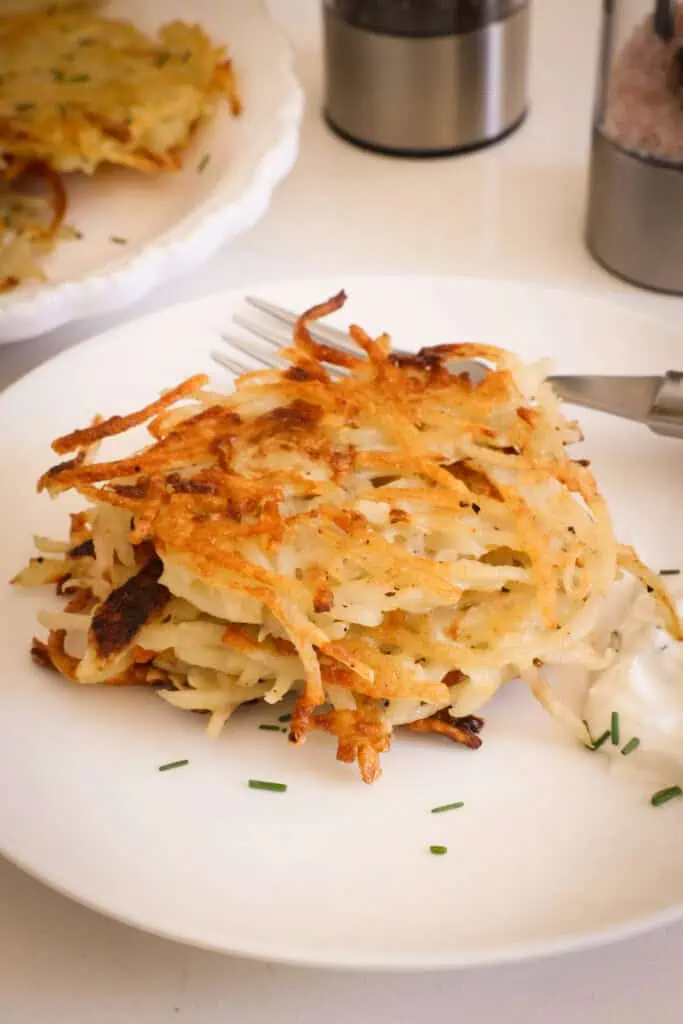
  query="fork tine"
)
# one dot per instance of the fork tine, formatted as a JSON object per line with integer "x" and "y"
{"x": 324, "y": 334}
{"x": 230, "y": 364}
{"x": 267, "y": 333}
{"x": 336, "y": 338}
{"x": 262, "y": 355}
{"x": 267, "y": 359}
{"x": 331, "y": 336}
{"x": 272, "y": 337}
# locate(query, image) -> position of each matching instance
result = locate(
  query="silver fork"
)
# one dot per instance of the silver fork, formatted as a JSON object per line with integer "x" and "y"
{"x": 656, "y": 402}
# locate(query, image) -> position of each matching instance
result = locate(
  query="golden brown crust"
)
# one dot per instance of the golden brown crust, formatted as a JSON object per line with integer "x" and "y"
{"x": 361, "y": 737}
{"x": 119, "y": 424}
{"x": 463, "y": 731}
{"x": 40, "y": 654}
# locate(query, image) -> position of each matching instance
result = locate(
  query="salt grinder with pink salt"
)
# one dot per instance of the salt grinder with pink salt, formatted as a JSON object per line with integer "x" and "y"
{"x": 635, "y": 204}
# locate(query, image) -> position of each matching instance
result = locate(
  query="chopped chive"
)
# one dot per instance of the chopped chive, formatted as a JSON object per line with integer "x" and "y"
{"x": 600, "y": 740}
{"x": 285, "y": 718}
{"x": 21, "y": 108}
{"x": 273, "y": 787}
{"x": 614, "y": 728}
{"x": 57, "y": 74}
{"x": 173, "y": 764}
{"x": 438, "y": 851}
{"x": 117, "y": 240}
{"x": 78, "y": 234}
{"x": 203, "y": 163}
{"x": 77, "y": 79}
{"x": 662, "y": 796}
{"x": 591, "y": 741}
{"x": 669, "y": 572}
{"x": 447, "y": 807}
{"x": 161, "y": 59}
{"x": 629, "y": 747}
{"x": 269, "y": 728}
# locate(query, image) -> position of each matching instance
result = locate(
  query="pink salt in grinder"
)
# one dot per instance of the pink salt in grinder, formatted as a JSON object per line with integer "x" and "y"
{"x": 635, "y": 204}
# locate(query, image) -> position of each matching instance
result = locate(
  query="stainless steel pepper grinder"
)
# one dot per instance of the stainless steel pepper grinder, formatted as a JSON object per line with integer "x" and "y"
{"x": 425, "y": 77}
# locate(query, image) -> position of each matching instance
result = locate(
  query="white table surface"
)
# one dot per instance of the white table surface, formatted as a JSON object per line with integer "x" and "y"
{"x": 515, "y": 210}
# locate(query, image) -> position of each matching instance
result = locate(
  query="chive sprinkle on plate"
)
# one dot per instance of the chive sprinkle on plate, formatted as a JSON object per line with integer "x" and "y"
{"x": 285, "y": 718}
{"x": 614, "y": 728}
{"x": 173, "y": 764}
{"x": 669, "y": 572}
{"x": 447, "y": 807}
{"x": 118, "y": 240}
{"x": 204, "y": 162}
{"x": 273, "y": 787}
{"x": 629, "y": 747}
{"x": 662, "y": 796}
{"x": 600, "y": 740}
{"x": 269, "y": 728}
{"x": 438, "y": 851}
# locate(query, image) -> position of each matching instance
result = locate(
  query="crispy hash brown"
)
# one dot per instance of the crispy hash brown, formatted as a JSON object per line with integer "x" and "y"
{"x": 390, "y": 546}
{"x": 78, "y": 90}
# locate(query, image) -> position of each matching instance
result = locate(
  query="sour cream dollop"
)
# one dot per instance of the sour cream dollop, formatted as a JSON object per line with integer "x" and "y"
{"x": 644, "y": 686}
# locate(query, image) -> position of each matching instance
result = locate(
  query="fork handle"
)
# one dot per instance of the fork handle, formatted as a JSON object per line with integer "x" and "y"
{"x": 666, "y": 415}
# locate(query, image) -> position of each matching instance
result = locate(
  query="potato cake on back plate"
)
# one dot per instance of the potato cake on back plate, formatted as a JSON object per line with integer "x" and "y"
{"x": 78, "y": 89}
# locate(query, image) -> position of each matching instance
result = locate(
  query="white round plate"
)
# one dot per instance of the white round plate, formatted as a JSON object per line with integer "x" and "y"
{"x": 173, "y": 222}
{"x": 551, "y": 851}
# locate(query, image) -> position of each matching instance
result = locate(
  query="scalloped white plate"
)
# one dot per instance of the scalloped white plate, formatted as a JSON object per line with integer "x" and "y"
{"x": 551, "y": 851}
{"x": 173, "y": 222}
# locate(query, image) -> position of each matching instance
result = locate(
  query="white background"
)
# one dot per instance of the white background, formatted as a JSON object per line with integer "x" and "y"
{"x": 516, "y": 211}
